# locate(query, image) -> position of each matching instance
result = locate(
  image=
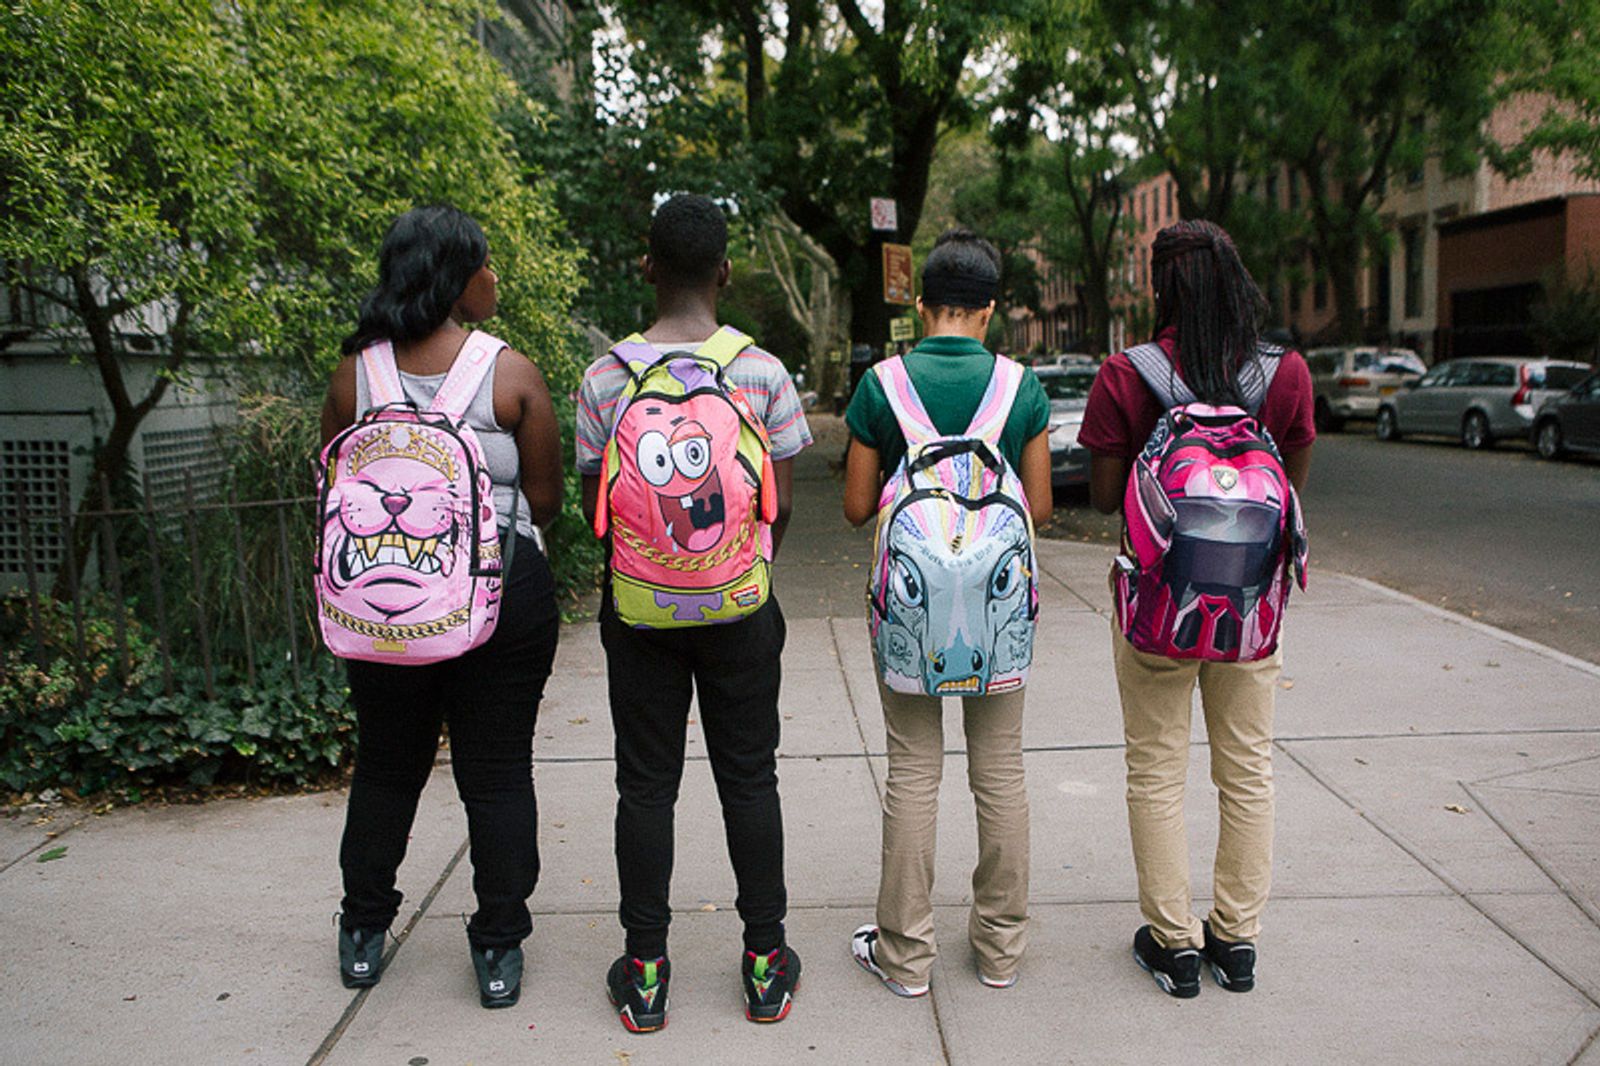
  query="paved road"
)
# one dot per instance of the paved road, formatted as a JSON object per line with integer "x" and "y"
{"x": 1499, "y": 536}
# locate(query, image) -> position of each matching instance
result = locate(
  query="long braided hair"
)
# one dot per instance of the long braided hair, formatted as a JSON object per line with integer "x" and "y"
{"x": 1203, "y": 291}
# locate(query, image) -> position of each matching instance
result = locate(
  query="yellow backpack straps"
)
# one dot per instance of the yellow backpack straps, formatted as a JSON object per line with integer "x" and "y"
{"x": 723, "y": 346}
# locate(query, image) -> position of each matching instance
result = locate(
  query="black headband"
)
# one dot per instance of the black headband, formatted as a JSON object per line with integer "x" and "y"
{"x": 945, "y": 289}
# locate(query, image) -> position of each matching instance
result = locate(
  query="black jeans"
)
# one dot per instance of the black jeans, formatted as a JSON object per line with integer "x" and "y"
{"x": 490, "y": 697}
{"x": 652, "y": 675}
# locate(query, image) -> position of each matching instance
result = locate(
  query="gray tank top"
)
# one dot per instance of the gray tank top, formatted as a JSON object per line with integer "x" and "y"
{"x": 499, "y": 446}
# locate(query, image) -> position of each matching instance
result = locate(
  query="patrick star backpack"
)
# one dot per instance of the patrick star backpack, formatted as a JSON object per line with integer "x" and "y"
{"x": 953, "y": 593}
{"x": 687, "y": 490}
{"x": 1212, "y": 526}
{"x": 408, "y": 565}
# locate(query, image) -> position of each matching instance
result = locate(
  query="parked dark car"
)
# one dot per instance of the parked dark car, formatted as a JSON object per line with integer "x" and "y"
{"x": 1570, "y": 422}
{"x": 1068, "y": 389}
{"x": 1477, "y": 399}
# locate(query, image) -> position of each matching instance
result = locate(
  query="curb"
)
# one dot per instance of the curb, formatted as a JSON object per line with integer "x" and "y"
{"x": 1581, "y": 665}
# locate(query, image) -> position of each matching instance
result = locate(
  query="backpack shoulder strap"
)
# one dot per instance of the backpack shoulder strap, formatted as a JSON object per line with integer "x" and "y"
{"x": 904, "y": 401}
{"x": 636, "y": 353}
{"x": 383, "y": 377}
{"x": 1255, "y": 387}
{"x": 989, "y": 421}
{"x": 466, "y": 375}
{"x": 1151, "y": 361}
{"x": 724, "y": 346}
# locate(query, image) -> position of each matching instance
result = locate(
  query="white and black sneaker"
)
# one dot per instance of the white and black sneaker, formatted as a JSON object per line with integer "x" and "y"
{"x": 1232, "y": 962}
{"x": 861, "y": 949}
{"x": 1176, "y": 970}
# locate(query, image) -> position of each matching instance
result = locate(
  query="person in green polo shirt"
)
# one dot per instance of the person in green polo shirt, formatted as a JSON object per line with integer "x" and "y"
{"x": 949, "y": 370}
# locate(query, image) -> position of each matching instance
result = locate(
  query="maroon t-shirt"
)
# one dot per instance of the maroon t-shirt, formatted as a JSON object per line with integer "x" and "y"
{"x": 1122, "y": 412}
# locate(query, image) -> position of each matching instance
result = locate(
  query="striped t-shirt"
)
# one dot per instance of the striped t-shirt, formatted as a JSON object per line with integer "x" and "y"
{"x": 759, "y": 375}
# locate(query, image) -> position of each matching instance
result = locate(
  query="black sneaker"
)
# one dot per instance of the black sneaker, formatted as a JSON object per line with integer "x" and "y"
{"x": 638, "y": 989}
{"x": 1232, "y": 962}
{"x": 360, "y": 956}
{"x": 770, "y": 982}
{"x": 499, "y": 973}
{"x": 1176, "y": 970}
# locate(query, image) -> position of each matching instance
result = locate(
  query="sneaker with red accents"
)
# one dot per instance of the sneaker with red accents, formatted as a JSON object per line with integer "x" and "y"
{"x": 770, "y": 982}
{"x": 638, "y": 990}
{"x": 863, "y": 948}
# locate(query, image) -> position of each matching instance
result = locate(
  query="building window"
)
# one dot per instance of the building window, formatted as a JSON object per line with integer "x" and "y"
{"x": 35, "y": 469}
{"x": 1411, "y": 238}
{"x": 1171, "y": 185}
{"x": 169, "y": 454}
{"x": 1141, "y": 210}
{"x": 1294, "y": 190}
{"x": 1294, "y": 299}
{"x": 1272, "y": 189}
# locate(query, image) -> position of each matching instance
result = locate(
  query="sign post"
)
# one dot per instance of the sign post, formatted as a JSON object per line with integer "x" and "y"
{"x": 885, "y": 215}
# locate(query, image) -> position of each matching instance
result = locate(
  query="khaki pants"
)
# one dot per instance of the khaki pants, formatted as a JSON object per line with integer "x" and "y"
{"x": 1157, "y": 698}
{"x": 997, "y": 926}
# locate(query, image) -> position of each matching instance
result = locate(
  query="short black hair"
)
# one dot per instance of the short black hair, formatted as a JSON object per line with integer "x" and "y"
{"x": 688, "y": 240}
{"x": 426, "y": 259}
{"x": 962, "y": 271}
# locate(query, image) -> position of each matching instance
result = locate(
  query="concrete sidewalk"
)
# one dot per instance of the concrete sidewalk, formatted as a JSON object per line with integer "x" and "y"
{"x": 1436, "y": 898}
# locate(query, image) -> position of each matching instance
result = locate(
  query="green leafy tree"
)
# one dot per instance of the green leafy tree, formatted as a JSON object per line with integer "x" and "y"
{"x": 215, "y": 179}
{"x": 1360, "y": 91}
{"x": 837, "y": 103}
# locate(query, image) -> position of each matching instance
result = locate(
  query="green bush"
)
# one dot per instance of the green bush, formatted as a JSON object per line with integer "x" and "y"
{"x": 95, "y": 730}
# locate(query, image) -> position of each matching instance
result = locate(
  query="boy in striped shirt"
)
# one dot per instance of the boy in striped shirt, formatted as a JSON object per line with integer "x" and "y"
{"x": 653, "y": 673}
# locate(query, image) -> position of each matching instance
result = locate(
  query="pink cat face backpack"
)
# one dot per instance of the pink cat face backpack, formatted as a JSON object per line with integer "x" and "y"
{"x": 408, "y": 566}
{"x": 1212, "y": 527}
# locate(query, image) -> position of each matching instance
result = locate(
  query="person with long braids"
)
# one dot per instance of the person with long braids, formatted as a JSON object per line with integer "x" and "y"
{"x": 434, "y": 278}
{"x": 1208, "y": 313}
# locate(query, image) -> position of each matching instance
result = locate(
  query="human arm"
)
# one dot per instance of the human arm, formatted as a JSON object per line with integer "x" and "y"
{"x": 783, "y": 481}
{"x": 1297, "y": 464}
{"x": 339, "y": 408}
{"x": 1035, "y": 475}
{"x": 1108, "y": 480}
{"x": 522, "y": 403}
{"x": 591, "y": 497}
{"x": 863, "y": 482}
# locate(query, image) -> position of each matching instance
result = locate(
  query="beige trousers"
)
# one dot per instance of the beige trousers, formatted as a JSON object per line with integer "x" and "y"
{"x": 997, "y": 926}
{"x": 1157, "y": 699}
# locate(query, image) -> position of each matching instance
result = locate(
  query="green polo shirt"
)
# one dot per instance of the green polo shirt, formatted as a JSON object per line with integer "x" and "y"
{"x": 949, "y": 374}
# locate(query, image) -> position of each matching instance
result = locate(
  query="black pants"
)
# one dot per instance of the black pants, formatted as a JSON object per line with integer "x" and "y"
{"x": 652, "y": 675}
{"x": 490, "y": 697}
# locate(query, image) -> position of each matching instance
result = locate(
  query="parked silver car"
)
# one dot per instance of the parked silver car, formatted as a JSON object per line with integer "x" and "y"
{"x": 1478, "y": 399}
{"x": 1068, "y": 389}
{"x": 1570, "y": 421}
{"x": 1352, "y": 382}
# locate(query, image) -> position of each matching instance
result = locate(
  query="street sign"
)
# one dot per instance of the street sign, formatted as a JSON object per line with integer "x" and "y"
{"x": 885, "y": 215}
{"x": 902, "y": 329}
{"x": 897, "y": 281}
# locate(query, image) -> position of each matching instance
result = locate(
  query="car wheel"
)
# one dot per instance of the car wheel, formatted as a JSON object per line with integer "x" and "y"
{"x": 1388, "y": 424}
{"x": 1547, "y": 439}
{"x": 1475, "y": 431}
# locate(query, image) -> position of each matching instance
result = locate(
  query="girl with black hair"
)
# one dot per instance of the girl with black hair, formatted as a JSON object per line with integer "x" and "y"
{"x": 433, "y": 278}
{"x": 1207, "y": 324}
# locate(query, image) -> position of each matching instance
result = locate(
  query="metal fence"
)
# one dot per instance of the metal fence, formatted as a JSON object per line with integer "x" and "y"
{"x": 218, "y": 583}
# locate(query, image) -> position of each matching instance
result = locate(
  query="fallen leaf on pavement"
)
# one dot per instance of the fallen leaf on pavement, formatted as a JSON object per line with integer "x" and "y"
{"x": 1362, "y": 761}
{"x": 577, "y": 721}
{"x": 52, "y": 855}
{"x": 709, "y": 907}
{"x": 1287, "y": 682}
{"x": 1456, "y": 808}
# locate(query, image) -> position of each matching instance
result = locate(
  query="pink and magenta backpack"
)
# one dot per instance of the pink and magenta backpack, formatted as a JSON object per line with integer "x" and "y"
{"x": 687, "y": 490}
{"x": 408, "y": 564}
{"x": 1212, "y": 526}
{"x": 953, "y": 595}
